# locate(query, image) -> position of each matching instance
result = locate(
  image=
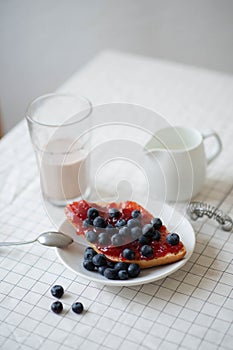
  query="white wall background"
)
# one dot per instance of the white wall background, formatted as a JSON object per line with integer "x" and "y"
{"x": 43, "y": 42}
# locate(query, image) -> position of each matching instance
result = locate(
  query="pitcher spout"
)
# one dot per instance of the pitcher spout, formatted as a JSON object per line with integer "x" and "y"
{"x": 154, "y": 146}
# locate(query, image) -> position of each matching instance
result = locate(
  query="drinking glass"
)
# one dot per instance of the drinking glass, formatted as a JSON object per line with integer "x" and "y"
{"x": 59, "y": 126}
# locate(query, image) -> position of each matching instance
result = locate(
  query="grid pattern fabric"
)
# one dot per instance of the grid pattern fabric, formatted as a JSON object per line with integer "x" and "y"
{"x": 190, "y": 309}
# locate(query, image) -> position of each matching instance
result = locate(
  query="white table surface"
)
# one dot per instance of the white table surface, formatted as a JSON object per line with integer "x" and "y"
{"x": 190, "y": 309}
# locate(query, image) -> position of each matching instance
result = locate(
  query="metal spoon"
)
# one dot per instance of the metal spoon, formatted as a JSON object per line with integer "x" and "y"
{"x": 50, "y": 239}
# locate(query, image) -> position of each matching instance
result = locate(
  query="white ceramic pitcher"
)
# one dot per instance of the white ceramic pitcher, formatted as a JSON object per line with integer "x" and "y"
{"x": 175, "y": 162}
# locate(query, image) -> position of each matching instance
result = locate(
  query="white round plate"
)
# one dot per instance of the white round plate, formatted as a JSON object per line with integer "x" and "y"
{"x": 72, "y": 256}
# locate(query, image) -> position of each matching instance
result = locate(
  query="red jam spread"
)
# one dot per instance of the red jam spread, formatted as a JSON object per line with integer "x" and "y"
{"x": 160, "y": 249}
{"x": 77, "y": 213}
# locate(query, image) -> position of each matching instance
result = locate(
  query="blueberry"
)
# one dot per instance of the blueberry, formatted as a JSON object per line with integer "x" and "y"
{"x": 109, "y": 226}
{"x": 87, "y": 222}
{"x": 89, "y": 253}
{"x": 92, "y": 213}
{"x": 136, "y": 233}
{"x": 110, "y": 229}
{"x": 110, "y": 274}
{"x": 101, "y": 269}
{"x": 88, "y": 265}
{"x": 110, "y": 264}
{"x": 104, "y": 238}
{"x": 143, "y": 240}
{"x": 116, "y": 240}
{"x": 156, "y": 235}
{"x": 88, "y": 248}
{"x": 77, "y": 307}
{"x": 57, "y": 291}
{"x": 173, "y": 239}
{"x": 114, "y": 213}
{"x": 91, "y": 236}
{"x": 57, "y": 307}
{"x": 121, "y": 223}
{"x": 121, "y": 266}
{"x": 148, "y": 230}
{"x": 133, "y": 223}
{"x": 134, "y": 270}
{"x": 128, "y": 254}
{"x": 99, "y": 260}
{"x": 136, "y": 214}
{"x": 157, "y": 223}
{"x": 124, "y": 231}
{"x": 123, "y": 275}
{"x": 147, "y": 251}
{"x": 99, "y": 222}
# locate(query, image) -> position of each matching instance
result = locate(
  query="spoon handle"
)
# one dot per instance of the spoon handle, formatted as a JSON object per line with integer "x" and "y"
{"x": 5, "y": 244}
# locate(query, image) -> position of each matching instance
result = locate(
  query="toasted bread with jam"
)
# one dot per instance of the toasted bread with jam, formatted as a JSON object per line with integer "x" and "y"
{"x": 125, "y": 231}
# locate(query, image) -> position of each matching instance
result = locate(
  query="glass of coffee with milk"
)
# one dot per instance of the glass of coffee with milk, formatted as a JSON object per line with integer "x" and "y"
{"x": 59, "y": 126}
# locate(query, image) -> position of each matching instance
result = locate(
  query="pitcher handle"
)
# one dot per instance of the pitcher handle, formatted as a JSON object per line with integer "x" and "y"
{"x": 218, "y": 144}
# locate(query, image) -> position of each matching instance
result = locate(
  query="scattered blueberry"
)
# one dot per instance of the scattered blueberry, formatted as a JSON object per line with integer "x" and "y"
{"x": 101, "y": 269}
{"x": 110, "y": 274}
{"x": 121, "y": 223}
{"x": 99, "y": 260}
{"x": 104, "y": 238}
{"x": 92, "y": 213}
{"x": 148, "y": 230}
{"x": 87, "y": 222}
{"x": 134, "y": 270}
{"x": 114, "y": 213}
{"x": 116, "y": 240}
{"x": 156, "y": 235}
{"x": 128, "y": 254}
{"x": 147, "y": 251}
{"x": 143, "y": 240}
{"x": 89, "y": 253}
{"x": 91, "y": 236}
{"x": 157, "y": 223}
{"x": 57, "y": 291}
{"x": 173, "y": 238}
{"x": 136, "y": 232}
{"x": 121, "y": 266}
{"x": 88, "y": 265}
{"x": 136, "y": 214}
{"x": 99, "y": 222}
{"x": 77, "y": 307}
{"x": 57, "y": 307}
{"x": 123, "y": 275}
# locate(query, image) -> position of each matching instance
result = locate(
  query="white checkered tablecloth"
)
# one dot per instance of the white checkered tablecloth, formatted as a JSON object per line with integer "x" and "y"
{"x": 190, "y": 309}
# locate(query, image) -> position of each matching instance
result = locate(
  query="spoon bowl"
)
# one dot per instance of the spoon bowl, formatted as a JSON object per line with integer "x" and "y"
{"x": 54, "y": 239}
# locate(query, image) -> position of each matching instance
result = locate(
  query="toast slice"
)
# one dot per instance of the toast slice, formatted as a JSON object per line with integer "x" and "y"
{"x": 162, "y": 251}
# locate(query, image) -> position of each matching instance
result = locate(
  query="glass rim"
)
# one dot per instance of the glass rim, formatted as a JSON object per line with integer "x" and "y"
{"x": 54, "y": 94}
